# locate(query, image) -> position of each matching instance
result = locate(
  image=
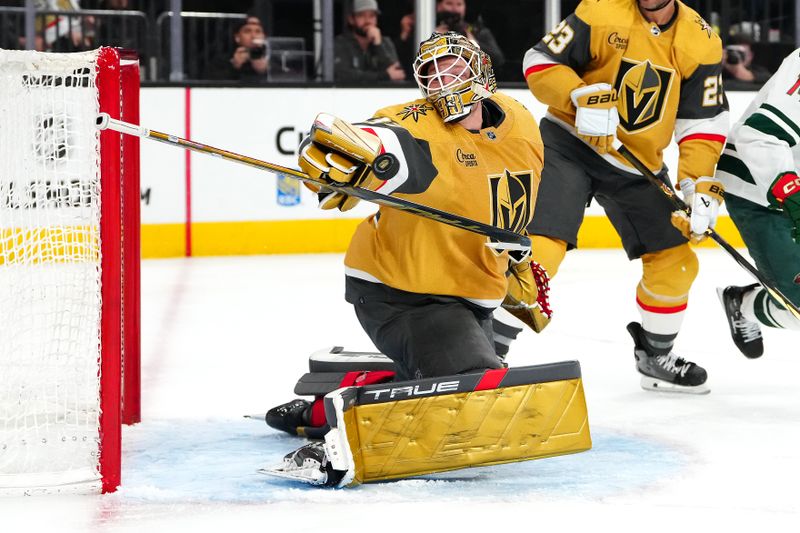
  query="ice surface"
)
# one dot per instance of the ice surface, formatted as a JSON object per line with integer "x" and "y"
{"x": 224, "y": 337}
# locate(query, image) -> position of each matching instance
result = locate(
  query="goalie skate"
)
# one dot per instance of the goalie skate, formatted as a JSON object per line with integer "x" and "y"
{"x": 289, "y": 416}
{"x": 308, "y": 464}
{"x": 665, "y": 373}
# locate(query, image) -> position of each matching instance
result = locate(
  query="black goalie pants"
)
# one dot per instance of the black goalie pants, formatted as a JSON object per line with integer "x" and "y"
{"x": 425, "y": 335}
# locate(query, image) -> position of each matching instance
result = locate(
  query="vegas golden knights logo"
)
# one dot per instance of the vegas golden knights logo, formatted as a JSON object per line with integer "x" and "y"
{"x": 511, "y": 199}
{"x": 642, "y": 89}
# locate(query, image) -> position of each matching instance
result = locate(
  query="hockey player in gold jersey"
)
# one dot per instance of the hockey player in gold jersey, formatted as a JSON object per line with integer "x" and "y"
{"x": 424, "y": 292}
{"x": 464, "y": 149}
{"x": 642, "y": 71}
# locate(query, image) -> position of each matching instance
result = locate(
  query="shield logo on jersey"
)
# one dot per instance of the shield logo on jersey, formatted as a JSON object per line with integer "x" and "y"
{"x": 511, "y": 199}
{"x": 642, "y": 89}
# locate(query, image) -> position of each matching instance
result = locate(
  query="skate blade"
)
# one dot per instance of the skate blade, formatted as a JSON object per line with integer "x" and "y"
{"x": 311, "y": 476}
{"x": 658, "y": 385}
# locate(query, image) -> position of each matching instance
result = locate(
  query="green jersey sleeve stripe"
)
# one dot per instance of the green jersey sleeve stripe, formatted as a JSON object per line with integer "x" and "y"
{"x": 781, "y": 115}
{"x": 760, "y": 310}
{"x": 735, "y": 167}
{"x": 767, "y": 126}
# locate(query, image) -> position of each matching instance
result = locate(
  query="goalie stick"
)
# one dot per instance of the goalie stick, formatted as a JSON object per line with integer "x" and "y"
{"x": 506, "y": 240}
{"x": 679, "y": 204}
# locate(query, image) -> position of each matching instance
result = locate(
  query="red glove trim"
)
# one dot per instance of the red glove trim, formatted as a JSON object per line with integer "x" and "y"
{"x": 542, "y": 280}
{"x": 785, "y": 185}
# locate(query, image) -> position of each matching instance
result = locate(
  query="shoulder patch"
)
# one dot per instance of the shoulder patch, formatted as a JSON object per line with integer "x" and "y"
{"x": 414, "y": 111}
{"x": 704, "y": 26}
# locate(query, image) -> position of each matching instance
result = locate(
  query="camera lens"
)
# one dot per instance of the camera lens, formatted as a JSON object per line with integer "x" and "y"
{"x": 257, "y": 52}
{"x": 733, "y": 56}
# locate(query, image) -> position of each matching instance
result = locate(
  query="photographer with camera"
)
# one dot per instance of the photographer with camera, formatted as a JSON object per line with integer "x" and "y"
{"x": 450, "y": 17}
{"x": 738, "y": 69}
{"x": 250, "y": 60}
{"x": 364, "y": 53}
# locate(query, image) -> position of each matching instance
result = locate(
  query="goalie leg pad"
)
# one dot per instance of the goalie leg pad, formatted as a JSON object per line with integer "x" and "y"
{"x": 404, "y": 429}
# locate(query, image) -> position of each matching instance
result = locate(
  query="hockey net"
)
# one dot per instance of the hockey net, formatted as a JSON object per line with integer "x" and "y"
{"x": 66, "y": 245}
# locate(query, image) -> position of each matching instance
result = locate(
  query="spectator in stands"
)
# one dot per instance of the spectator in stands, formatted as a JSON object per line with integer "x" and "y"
{"x": 81, "y": 36}
{"x": 739, "y": 71}
{"x": 450, "y": 17}
{"x": 407, "y": 44}
{"x": 250, "y": 59}
{"x": 363, "y": 53}
{"x": 69, "y": 33}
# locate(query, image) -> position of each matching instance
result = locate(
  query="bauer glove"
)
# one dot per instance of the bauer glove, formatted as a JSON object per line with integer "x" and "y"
{"x": 528, "y": 294}
{"x": 703, "y": 196}
{"x": 784, "y": 193}
{"x": 596, "y": 117}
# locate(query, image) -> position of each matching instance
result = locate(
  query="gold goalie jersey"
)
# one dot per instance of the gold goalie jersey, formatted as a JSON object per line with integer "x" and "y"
{"x": 491, "y": 176}
{"x": 668, "y": 80}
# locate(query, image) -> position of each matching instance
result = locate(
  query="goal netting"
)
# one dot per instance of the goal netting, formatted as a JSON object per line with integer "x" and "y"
{"x": 61, "y": 271}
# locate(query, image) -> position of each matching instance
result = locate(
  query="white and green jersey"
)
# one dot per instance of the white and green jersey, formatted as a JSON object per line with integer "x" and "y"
{"x": 766, "y": 140}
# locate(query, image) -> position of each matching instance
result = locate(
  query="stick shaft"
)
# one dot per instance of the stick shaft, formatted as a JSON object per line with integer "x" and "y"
{"x": 508, "y": 239}
{"x": 739, "y": 258}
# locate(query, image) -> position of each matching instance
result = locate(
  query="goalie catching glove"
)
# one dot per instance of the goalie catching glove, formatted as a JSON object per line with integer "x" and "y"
{"x": 339, "y": 153}
{"x": 784, "y": 193}
{"x": 528, "y": 294}
{"x": 703, "y": 196}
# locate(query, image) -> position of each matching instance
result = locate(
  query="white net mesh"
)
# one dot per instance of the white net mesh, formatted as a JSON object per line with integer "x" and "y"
{"x": 49, "y": 270}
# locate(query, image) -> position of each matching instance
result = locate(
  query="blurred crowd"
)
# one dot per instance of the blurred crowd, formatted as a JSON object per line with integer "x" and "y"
{"x": 264, "y": 41}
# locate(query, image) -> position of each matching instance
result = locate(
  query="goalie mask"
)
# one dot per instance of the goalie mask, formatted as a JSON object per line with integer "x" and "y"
{"x": 453, "y": 73}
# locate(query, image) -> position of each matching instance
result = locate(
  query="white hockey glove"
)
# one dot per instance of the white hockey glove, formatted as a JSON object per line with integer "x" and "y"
{"x": 596, "y": 118}
{"x": 703, "y": 196}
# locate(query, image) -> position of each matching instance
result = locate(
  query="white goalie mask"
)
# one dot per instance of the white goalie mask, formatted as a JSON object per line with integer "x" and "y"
{"x": 453, "y": 73}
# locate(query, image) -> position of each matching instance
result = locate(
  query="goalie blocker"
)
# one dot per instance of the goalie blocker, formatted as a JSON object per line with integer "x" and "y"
{"x": 403, "y": 429}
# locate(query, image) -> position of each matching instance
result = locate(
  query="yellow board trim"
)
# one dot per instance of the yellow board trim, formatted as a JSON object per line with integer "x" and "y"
{"x": 326, "y": 236}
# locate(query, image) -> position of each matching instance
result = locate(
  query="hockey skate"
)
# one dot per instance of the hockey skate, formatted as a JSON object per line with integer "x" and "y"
{"x": 665, "y": 373}
{"x": 289, "y": 416}
{"x": 746, "y": 334}
{"x": 308, "y": 464}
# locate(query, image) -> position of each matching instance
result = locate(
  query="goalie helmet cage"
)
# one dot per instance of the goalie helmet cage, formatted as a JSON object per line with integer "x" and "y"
{"x": 69, "y": 269}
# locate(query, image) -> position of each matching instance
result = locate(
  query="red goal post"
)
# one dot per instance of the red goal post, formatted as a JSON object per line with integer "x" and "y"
{"x": 69, "y": 269}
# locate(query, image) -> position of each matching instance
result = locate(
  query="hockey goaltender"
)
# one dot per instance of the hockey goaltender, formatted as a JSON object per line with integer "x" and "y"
{"x": 441, "y": 398}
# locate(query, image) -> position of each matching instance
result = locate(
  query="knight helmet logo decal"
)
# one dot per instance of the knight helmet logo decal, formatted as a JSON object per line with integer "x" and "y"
{"x": 642, "y": 88}
{"x": 511, "y": 199}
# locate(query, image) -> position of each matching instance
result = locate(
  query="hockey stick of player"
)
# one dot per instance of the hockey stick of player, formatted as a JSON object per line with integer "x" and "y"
{"x": 506, "y": 239}
{"x": 679, "y": 204}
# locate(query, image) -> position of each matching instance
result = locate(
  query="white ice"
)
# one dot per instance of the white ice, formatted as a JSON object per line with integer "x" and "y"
{"x": 224, "y": 337}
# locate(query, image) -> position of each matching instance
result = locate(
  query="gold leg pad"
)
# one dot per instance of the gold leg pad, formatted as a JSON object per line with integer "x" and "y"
{"x": 439, "y": 433}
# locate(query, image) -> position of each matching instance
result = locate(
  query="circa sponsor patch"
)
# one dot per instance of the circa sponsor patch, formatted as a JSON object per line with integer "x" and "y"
{"x": 617, "y": 41}
{"x": 466, "y": 158}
